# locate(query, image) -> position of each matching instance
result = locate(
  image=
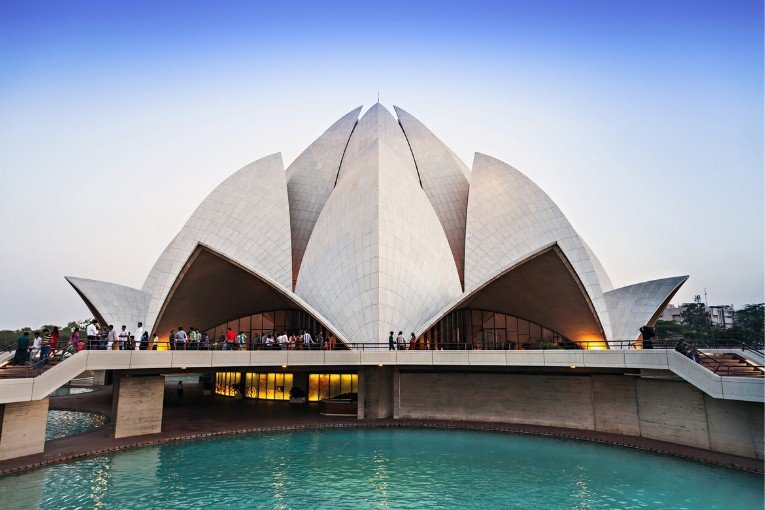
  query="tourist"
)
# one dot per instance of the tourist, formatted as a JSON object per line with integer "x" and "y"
{"x": 648, "y": 335}
{"x": 401, "y": 341}
{"x": 22, "y": 350}
{"x": 123, "y": 337}
{"x": 331, "y": 342}
{"x": 45, "y": 350}
{"x": 171, "y": 340}
{"x": 139, "y": 335}
{"x": 412, "y": 342}
{"x": 36, "y": 346}
{"x": 180, "y": 339}
{"x": 56, "y": 336}
{"x": 91, "y": 333}
{"x": 284, "y": 341}
{"x": 74, "y": 339}
{"x": 241, "y": 340}
{"x": 179, "y": 391}
{"x": 105, "y": 337}
{"x": 154, "y": 342}
{"x": 320, "y": 341}
{"x": 111, "y": 339}
{"x": 230, "y": 338}
{"x": 307, "y": 340}
{"x": 205, "y": 341}
{"x": 255, "y": 342}
{"x": 391, "y": 345}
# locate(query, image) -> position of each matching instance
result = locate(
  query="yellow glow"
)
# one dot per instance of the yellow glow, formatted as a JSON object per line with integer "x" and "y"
{"x": 593, "y": 344}
{"x": 572, "y": 366}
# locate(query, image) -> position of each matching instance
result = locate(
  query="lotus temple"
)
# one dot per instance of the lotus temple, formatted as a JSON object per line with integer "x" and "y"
{"x": 509, "y": 321}
{"x": 376, "y": 227}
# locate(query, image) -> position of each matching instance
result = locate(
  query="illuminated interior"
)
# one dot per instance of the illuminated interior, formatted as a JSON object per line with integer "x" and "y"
{"x": 321, "y": 386}
{"x": 470, "y": 328}
{"x": 277, "y": 321}
{"x": 267, "y": 386}
{"x": 227, "y": 383}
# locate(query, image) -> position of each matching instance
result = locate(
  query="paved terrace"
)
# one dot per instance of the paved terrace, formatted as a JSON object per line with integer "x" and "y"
{"x": 665, "y": 360}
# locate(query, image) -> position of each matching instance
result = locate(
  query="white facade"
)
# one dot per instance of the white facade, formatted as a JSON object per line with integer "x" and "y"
{"x": 635, "y": 306}
{"x": 372, "y": 229}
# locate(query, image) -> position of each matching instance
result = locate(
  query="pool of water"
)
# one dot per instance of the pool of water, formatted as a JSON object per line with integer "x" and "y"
{"x": 63, "y": 423}
{"x": 69, "y": 390}
{"x": 382, "y": 468}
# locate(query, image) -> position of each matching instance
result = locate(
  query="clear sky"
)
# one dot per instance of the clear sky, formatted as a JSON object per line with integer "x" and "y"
{"x": 642, "y": 119}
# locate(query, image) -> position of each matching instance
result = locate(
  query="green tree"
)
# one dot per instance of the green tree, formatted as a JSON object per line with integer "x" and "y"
{"x": 751, "y": 321}
{"x": 696, "y": 319}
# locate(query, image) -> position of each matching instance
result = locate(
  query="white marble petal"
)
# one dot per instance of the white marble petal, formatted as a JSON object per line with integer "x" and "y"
{"x": 311, "y": 179}
{"x": 445, "y": 180}
{"x": 115, "y": 304}
{"x": 246, "y": 218}
{"x": 378, "y": 259}
{"x": 509, "y": 217}
{"x": 640, "y": 304}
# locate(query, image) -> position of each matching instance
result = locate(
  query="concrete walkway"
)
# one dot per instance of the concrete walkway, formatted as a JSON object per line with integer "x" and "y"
{"x": 203, "y": 416}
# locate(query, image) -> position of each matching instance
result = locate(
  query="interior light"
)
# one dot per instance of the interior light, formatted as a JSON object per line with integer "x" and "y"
{"x": 379, "y": 364}
{"x": 284, "y": 366}
{"x": 572, "y": 366}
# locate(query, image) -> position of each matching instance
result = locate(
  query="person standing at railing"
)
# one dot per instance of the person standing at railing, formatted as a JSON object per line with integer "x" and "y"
{"x": 391, "y": 344}
{"x": 401, "y": 341}
{"x": 412, "y": 342}
{"x": 307, "y": 340}
{"x": 111, "y": 338}
{"x": 124, "y": 336}
{"x": 36, "y": 346}
{"x": 180, "y": 339}
{"x": 55, "y": 337}
{"x": 22, "y": 350}
{"x": 139, "y": 337}
{"x": 91, "y": 333}
{"x": 45, "y": 349}
{"x": 241, "y": 339}
{"x": 648, "y": 334}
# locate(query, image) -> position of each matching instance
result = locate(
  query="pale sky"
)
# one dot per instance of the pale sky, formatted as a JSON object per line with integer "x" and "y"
{"x": 642, "y": 119}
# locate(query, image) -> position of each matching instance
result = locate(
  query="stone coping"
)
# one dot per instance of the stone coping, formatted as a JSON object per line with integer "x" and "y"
{"x": 649, "y": 445}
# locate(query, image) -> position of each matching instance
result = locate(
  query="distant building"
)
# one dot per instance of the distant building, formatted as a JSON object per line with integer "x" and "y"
{"x": 721, "y": 315}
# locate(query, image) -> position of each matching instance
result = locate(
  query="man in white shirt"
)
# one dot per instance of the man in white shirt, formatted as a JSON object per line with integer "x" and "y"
{"x": 283, "y": 340}
{"x": 138, "y": 336}
{"x": 124, "y": 336}
{"x": 36, "y": 346}
{"x": 92, "y": 333}
{"x": 401, "y": 341}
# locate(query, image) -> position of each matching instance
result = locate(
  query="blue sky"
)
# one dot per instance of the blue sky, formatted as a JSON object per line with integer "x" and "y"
{"x": 642, "y": 119}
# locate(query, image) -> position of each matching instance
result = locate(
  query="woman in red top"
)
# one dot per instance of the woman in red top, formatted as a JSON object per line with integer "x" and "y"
{"x": 54, "y": 339}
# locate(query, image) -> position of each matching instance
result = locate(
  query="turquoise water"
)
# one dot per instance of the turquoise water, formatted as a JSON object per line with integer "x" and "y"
{"x": 382, "y": 468}
{"x": 68, "y": 423}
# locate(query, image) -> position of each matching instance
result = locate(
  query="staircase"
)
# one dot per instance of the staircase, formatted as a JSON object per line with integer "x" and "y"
{"x": 730, "y": 364}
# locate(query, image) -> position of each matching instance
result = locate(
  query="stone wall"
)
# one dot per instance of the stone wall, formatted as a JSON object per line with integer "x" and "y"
{"x": 137, "y": 405}
{"x": 22, "y": 428}
{"x": 666, "y": 410}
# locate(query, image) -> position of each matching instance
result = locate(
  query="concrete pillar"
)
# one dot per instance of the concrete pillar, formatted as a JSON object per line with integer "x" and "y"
{"x": 137, "y": 405}
{"x": 101, "y": 377}
{"x": 378, "y": 392}
{"x": 22, "y": 428}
